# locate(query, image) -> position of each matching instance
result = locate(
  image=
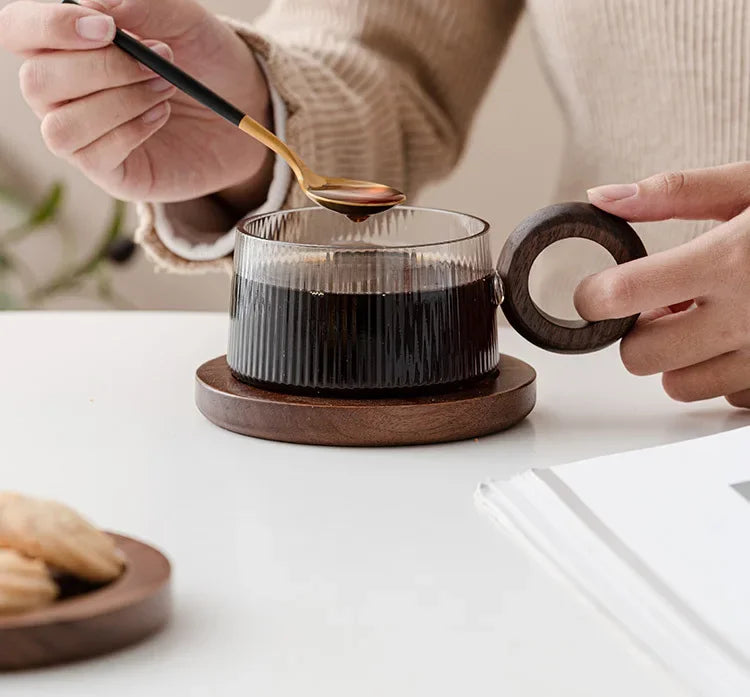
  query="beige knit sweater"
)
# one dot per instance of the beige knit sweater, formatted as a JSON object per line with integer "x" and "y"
{"x": 386, "y": 90}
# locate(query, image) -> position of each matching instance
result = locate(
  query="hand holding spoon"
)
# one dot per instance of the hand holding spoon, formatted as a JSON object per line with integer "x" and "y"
{"x": 351, "y": 197}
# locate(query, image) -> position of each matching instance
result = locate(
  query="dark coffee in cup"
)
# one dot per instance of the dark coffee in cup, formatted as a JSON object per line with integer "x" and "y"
{"x": 365, "y": 343}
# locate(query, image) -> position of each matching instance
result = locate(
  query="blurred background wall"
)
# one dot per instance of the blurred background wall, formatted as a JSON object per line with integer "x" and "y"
{"x": 507, "y": 171}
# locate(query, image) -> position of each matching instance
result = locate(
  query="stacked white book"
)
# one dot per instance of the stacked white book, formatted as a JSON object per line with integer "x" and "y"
{"x": 659, "y": 540}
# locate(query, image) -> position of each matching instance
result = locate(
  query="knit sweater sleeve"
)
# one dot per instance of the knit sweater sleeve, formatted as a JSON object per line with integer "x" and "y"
{"x": 383, "y": 90}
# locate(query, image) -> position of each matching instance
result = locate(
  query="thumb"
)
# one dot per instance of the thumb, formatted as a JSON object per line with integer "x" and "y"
{"x": 162, "y": 19}
{"x": 714, "y": 193}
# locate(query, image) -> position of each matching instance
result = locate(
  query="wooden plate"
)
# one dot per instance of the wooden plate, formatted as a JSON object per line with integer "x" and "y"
{"x": 121, "y": 613}
{"x": 482, "y": 408}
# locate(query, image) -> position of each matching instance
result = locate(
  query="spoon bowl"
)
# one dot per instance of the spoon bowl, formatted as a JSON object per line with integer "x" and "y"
{"x": 354, "y": 198}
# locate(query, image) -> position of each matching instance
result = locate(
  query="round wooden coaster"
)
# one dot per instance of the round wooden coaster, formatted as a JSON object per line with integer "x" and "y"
{"x": 121, "y": 613}
{"x": 476, "y": 410}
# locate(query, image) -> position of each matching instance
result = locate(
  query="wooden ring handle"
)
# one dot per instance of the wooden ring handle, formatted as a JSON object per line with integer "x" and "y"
{"x": 537, "y": 232}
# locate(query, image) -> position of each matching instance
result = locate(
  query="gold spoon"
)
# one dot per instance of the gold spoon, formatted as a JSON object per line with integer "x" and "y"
{"x": 352, "y": 197}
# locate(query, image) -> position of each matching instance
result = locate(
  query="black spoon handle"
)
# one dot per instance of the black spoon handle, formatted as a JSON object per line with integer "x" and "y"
{"x": 171, "y": 73}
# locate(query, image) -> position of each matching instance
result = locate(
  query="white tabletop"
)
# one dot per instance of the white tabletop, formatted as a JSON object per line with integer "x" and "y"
{"x": 317, "y": 571}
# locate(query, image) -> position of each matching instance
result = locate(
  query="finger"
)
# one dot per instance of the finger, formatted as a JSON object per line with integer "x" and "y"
{"x": 667, "y": 278}
{"x": 674, "y": 276}
{"x": 679, "y": 340}
{"x": 49, "y": 79}
{"x": 740, "y": 399}
{"x": 719, "y": 376}
{"x": 105, "y": 160}
{"x": 31, "y": 26}
{"x": 714, "y": 193}
{"x": 79, "y": 123}
{"x": 166, "y": 19}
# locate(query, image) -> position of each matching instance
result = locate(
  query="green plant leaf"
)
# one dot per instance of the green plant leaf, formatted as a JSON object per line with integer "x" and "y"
{"x": 115, "y": 221}
{"x": 48, "y": 207}
{"x": 41, "y": 214}
{"x": 75, "y": 275}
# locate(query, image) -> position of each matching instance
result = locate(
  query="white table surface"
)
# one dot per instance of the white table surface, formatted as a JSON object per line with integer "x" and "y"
{"x": 317, "y": 571}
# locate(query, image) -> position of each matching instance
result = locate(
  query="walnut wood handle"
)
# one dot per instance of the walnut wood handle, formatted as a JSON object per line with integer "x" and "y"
{"x": 537, "y": 232}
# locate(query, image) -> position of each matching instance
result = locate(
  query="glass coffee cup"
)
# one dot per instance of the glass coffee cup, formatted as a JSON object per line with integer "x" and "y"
{"x": 402, "y": 303}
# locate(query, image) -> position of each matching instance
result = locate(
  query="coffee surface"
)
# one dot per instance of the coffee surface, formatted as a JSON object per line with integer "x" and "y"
{"x": 362, "y": 343}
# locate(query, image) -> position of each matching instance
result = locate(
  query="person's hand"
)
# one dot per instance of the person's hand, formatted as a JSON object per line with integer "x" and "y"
{"x": 129, "y": 131}
{"x": 695, "y": 298}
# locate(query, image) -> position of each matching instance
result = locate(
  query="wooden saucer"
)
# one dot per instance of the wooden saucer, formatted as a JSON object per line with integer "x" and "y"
{"x": 121, "y": 613}
{"x": 485, "y": 407}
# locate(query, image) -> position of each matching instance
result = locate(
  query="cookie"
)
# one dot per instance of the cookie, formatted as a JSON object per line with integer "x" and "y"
{"x": 56, "y": 534}
{"x": 25, "y": 584}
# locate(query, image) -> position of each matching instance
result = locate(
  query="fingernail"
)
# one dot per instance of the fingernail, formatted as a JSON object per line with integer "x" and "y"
{"x": 159, "y": 84}
{"x": 613, "y": 192}
{"x": 155, "y": 113}
{"x": 96, "y": 27}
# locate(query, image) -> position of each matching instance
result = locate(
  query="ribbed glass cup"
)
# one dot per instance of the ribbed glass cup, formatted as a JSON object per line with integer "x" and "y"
{"x": 403, "y": 302}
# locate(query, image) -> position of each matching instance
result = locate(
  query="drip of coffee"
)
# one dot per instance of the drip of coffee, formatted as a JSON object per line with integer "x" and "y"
{"x": 362, "y": 343}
